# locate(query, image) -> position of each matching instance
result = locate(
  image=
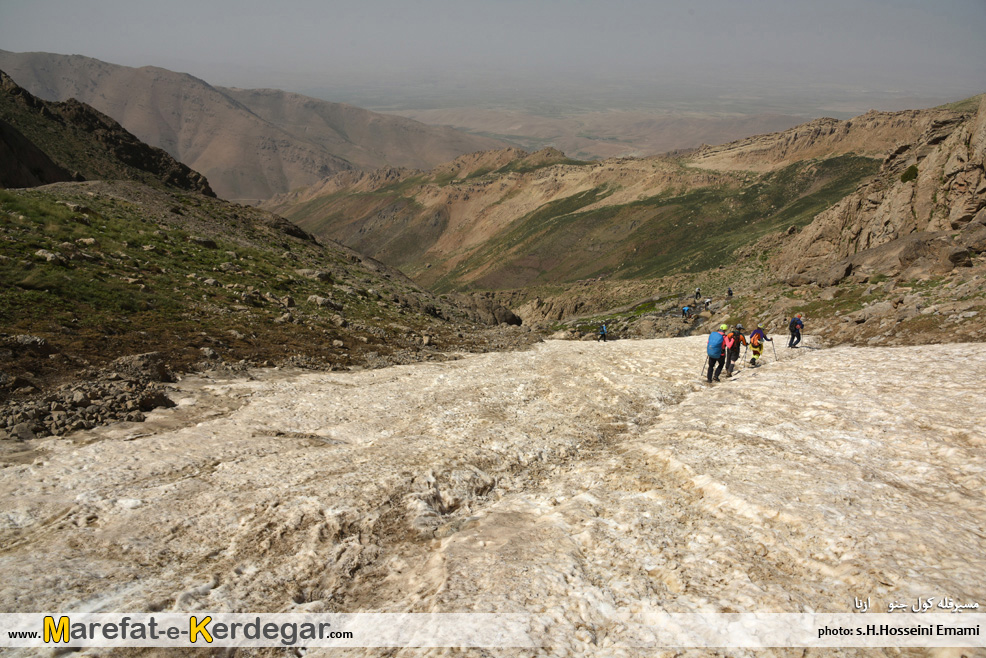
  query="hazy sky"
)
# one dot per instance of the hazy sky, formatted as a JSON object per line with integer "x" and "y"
{"x": 915, "y": 48}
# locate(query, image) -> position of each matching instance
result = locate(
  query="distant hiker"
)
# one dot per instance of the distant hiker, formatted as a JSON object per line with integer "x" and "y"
{"x": 757, "y": 339}
{"x": 698, "y": 293}
{"x": 733, "y": 340}
{"x": 716, "y": 349}
{"x": 686, "y": 311}
{"x": 729, "y": 293}
{"x": 707, "y": 302}
{"x": 602, "y": 333}
{"x": 795, "y": 327}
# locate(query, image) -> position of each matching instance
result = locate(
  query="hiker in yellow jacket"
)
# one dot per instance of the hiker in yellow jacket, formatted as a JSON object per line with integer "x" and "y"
{"x": 757, "y": 340}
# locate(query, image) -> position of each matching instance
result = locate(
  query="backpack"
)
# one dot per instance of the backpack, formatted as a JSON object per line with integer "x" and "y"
{"x": 755, "y": 339}
{"x": 794, "y": 324}
{"x": 714, "y": 349}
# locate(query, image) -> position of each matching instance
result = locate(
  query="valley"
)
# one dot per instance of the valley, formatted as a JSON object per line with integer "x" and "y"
{"x": 293, "y": 356}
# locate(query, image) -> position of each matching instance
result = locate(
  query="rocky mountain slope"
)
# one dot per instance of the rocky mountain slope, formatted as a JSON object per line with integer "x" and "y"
{"x": 510, "y": 219}
{"x": 46, "y": 142}
{"x": 901, "y": 260}
{"x": 250, "y": 144}
{"x": 919, "y": 217}
{"x": 568, "y": 245}
{"x": 95, "y": 271}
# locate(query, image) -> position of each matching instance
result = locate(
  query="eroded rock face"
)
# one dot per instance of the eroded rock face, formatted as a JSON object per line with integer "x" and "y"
{"x": 484, "y": 308}
{"x": 947, "y": 194}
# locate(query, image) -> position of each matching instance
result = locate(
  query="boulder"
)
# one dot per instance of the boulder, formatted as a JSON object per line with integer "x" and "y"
{"x": 878, "y": 310}
{"x": 208, "y": 243}
{"x": 23, "y": 431}
{"x": 973, "y": 237}
{"x": 49, "y": 256}
{"x": 324, "y": 302}
{"x": 34, "y": 344}
{"x": 318, "y": 275}
{"x": 504, "y": 315}
{"x": 154, "y": 399}
{"x": 960, "y": 257}
{"x": 148, "y": 366}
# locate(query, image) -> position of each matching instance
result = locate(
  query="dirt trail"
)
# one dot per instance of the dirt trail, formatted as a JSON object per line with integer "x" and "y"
{"x": 589, "y": 483}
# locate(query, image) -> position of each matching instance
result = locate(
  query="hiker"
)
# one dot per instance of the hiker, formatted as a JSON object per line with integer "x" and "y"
{"x": 707, "y": 302}
{"x": 698, "y": 293}
{"x": 686, "y": 311}
{"x": 733, "y": 340}
{"x": 716, "y": 350}
{"x": 602, "y": 333}
{"x": 757, "y": 339}
{"x": 729, "y": 293}
{"x": 795, "y": 327}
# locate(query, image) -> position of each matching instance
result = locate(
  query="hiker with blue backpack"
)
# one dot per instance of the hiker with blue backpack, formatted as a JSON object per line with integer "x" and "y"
{"x": 795, "y": 327}
{"x": 602, "y": 333}
{"x": 716, "y": 351}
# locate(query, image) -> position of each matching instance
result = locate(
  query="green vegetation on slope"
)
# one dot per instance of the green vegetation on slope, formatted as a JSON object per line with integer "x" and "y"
{"x": 660, "y": 235}
{"x": 970, "y": 104}
{"x": 128, "y": 269}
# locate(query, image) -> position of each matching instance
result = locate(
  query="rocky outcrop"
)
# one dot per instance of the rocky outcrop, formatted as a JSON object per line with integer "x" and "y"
{"x": 49, "y": 140}
{"x": 484, "y": 308}
{"x": 923, "y": 215}
{"x": 872, "y": 134}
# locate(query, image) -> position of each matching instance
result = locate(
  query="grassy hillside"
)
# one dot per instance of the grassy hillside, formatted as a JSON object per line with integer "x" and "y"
{"x": 104, "y": 269}
{"x": 562, "y": 222}
{"x": 660, "y": 235}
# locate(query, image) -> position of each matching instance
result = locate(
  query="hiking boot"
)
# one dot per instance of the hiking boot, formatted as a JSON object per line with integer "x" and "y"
{"x": 715, "y": 379}
{"x": 753, "y": 362}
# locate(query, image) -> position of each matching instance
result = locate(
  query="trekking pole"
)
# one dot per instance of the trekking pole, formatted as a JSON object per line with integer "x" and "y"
{"x": 704, "y": 364}
{"x": 773, "y": 348}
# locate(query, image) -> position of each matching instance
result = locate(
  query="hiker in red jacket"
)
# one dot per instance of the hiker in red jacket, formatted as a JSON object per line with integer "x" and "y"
{"x": 733, "y": 340}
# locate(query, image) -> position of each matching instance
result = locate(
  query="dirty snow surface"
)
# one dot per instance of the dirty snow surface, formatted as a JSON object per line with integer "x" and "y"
{"x": 587, "y": 482}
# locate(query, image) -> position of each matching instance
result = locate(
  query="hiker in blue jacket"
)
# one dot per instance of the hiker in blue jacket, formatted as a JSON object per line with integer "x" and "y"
{"x": 717, "y": 352}
{"x": 795, "y": 327}
{"x": 602, "y": 333}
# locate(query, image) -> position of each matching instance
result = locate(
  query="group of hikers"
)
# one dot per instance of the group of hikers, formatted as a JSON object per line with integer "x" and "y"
{"x": 723, "y": 349}
{"x": 688, "y": 311}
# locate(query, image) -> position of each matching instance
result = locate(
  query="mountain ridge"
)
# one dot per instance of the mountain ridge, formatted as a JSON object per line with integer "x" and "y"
{"x": 209, "y": 127}
{"x": 81, "y": 143}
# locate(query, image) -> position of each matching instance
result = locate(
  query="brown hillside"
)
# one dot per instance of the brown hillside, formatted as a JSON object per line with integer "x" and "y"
{"x": 526, "y": 223}
{"x": 605, "y": 134}
{"x": 246, "y": 155}
{"x": 366, "y": 139}
{"x": 507, "y": 219}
